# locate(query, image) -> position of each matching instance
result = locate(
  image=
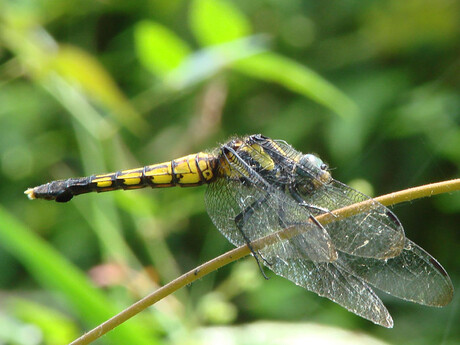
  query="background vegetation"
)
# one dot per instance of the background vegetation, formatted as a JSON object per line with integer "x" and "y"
{"x": 95, "y": 86}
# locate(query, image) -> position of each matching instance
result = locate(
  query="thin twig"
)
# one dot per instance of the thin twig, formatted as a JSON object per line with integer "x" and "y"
{"x": 238, "y": 253}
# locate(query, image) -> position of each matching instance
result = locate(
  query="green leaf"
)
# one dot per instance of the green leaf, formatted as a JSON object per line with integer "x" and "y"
{"x": 209, "y": 61}
{"x": 158, "y": 48}
{"x": 54, "y": 272}
{"x": 217, "y": 21}
{"x": 298, "y": 78}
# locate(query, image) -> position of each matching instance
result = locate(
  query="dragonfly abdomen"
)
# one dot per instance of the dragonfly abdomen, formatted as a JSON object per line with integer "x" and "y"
{"x": 187, "y": 171}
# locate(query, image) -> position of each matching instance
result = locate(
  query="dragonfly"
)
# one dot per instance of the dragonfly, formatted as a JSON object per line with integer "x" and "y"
{"x": 257, "y": 187}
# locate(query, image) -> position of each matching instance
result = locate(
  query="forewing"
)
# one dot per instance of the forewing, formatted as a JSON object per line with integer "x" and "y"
{"x": 376, "y": 232}
{"x": 414, "y": 275}
{"x": 329, "y": 280}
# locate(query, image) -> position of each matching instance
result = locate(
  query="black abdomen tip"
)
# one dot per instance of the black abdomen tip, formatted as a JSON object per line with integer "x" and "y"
{"x": 64, "y": 196}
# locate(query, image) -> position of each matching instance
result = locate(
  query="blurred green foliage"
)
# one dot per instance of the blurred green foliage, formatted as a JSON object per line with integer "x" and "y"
{"x": 90, "y": 87}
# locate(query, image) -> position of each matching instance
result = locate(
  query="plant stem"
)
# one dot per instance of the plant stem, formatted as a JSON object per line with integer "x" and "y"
{"x": 238, "y": 253}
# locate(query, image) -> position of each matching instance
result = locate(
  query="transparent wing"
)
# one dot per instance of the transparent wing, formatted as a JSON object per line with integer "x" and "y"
{"x": 329, "y": 280}
{"x": 375, "y": 233}
{"x": 414, "y": 275}
{"x": 336, "y": 261}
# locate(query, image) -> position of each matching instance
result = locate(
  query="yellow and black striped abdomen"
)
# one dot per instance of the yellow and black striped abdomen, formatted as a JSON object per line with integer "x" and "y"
{"x": 188, "y": 171}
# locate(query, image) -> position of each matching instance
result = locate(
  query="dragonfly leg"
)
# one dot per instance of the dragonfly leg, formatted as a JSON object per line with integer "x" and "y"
{"x": 241, "y": 219}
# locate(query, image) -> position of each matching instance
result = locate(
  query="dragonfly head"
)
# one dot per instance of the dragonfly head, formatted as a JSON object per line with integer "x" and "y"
{"x": 314, "y": 169}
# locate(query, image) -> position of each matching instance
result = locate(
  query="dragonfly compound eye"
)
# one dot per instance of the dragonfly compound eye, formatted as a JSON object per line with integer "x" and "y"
{"x": 312, "y": 159}
{"x": 315, "y": 168}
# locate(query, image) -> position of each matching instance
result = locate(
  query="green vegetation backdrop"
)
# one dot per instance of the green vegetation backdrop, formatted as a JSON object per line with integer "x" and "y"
{"x": 95, "y": 86}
